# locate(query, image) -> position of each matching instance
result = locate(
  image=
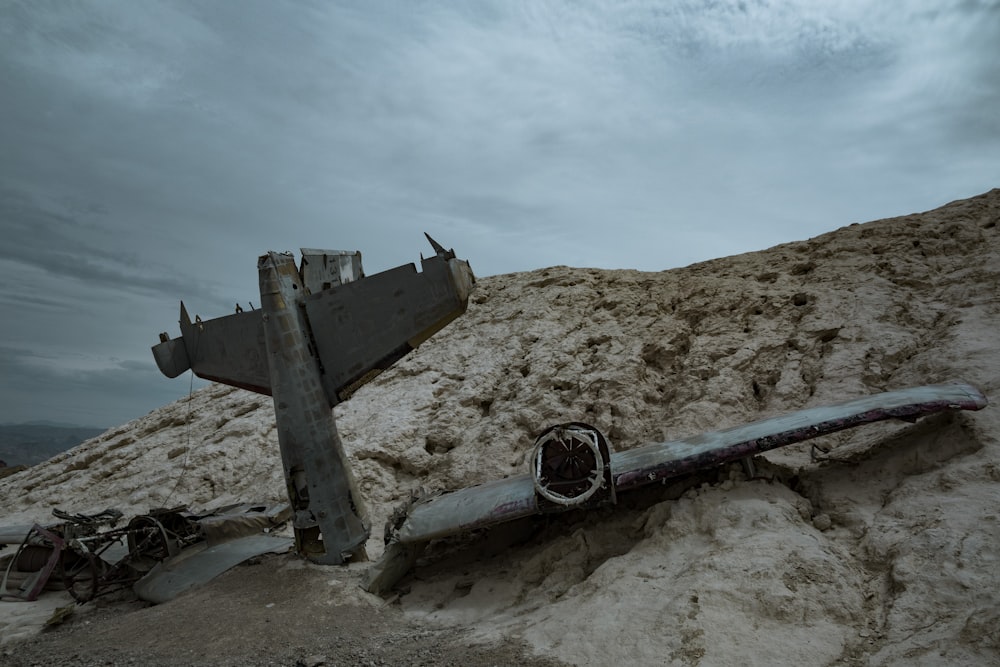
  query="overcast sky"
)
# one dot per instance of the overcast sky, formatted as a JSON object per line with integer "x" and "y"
{"x": 150, "y": 151}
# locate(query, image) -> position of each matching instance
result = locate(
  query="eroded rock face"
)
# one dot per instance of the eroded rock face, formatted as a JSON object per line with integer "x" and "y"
{"x": 883, "y": 554}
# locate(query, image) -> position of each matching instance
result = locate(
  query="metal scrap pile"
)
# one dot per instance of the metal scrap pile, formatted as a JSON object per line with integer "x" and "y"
{"x": 91, "y": 556}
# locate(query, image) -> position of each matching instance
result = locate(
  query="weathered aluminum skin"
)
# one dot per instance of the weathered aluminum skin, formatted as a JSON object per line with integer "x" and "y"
{"x": 228, "y": 349}
{"x": 14, "y": 534}
{"x": 470, "y": 508}
{"x": 360, "y": 325}
{"x": 320, "y": 485}
{"x": 652, "y": 463}
{"x": 171, "y": 355}
{"x": 368, "y": 325}
{"x": 514, "y": 497}
{"x": 231, "y": 349}
{"x": 200, "y": 564}
{"x": 323, "y": 330}
{"x": 324, "y": 269}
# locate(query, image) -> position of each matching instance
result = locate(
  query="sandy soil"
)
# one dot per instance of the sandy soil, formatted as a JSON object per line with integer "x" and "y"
{"x": 279, "y": 611}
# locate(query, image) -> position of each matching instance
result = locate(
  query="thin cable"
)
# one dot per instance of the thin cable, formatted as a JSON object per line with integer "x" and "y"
{"x": 187, "y": 442}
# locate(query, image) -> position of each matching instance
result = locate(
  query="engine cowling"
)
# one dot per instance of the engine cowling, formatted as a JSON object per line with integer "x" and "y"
{"x": 571, "y": 468}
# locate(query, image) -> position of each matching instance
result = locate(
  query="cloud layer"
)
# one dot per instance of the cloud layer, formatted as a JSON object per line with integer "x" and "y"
{"x": 152, "y": 150}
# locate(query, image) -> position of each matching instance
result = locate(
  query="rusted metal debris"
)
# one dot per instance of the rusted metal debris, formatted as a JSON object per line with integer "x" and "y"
{"x": 91, "y": 556}
{"x": 570, "y": 468}
{"x": 324, "y": 329}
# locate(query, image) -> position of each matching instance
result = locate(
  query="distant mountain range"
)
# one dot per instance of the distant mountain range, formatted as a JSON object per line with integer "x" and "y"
{"x": 28, "y": 444}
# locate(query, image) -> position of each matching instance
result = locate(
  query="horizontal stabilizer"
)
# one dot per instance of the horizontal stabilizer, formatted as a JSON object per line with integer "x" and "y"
{"x": 359, "y": 325}
{"x": 227, "y": 349}
{"x": 364, "y": 327}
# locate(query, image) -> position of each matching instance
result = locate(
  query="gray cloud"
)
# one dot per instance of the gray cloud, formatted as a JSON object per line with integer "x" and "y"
{"x": 37, "y": 387}
{"x": 62, "y": 243}
{"x": 150, "y": 151}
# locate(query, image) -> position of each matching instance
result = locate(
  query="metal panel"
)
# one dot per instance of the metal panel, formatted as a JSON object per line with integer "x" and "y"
{"x": 14, "y": 534}
{"x": 329, "y": 514}
{"x": 200, "y": 564}
{"x": 470, "y": 508}
{"x": 360, "y": 327}
{"x": 514, "y": 497}
{"x": 226, "y": 349}
{"x": 651, "y": 463}
{"x": 364, "y": 327}
{"x": 171, "y": 357}
{"x": 324, "y": 269}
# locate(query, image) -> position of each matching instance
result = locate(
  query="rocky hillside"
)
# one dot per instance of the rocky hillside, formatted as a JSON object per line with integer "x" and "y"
{"x": 883, "y": 553}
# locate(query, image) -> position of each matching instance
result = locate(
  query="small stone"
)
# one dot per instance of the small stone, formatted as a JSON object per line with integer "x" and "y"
{"x": 822, "y": 522}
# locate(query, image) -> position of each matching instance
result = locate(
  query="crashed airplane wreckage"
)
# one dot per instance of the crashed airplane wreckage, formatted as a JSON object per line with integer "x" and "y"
{"x": 572, "y": 466}
{"x": 325, "y": 329}
{"x": 159, "y": 555}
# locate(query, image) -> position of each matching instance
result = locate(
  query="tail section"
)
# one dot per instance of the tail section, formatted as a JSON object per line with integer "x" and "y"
{"x": 360, "y": 325}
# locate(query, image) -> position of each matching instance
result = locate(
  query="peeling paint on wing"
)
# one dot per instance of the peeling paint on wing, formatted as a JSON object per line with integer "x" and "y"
{"x": 516, "y": 497}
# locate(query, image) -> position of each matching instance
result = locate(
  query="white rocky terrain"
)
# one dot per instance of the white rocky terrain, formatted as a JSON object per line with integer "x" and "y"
{"x": 884, "y": 552}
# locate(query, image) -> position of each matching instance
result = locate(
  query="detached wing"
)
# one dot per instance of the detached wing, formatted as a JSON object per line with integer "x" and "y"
{"x": 514, "y": 497}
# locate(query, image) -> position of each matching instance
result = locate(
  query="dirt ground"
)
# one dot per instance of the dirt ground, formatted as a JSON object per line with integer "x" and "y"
{"x": 279, "y": 611}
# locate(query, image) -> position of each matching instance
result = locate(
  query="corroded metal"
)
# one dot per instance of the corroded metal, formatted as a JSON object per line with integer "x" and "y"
{"x": 329, "y": 521}
{"x": 571, "y": 467}
{"x": 655, "y": 462}
{"x": 515, "y": 497}
{"x": 90, "y": 557}
{"x": 324, "y": 329}
{"x": 361, "y": 325}
{"x": 46, "y": 547}
{"x": 326, "y": 269}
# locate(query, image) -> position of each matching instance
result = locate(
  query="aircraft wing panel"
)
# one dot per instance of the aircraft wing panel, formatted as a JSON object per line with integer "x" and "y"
{"x": 363, "y": 327}
{"x": 470, "y": 508}
{"x": 230, "y": 350}
{"x": 651, "y": 463}
{"x": 14, "y": 534}
{"x": 514, "y": 497}
{"x": 197, "y": 565}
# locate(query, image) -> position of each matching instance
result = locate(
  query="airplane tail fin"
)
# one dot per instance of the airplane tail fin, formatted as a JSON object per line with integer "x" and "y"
{"x": 360, "y": 326}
